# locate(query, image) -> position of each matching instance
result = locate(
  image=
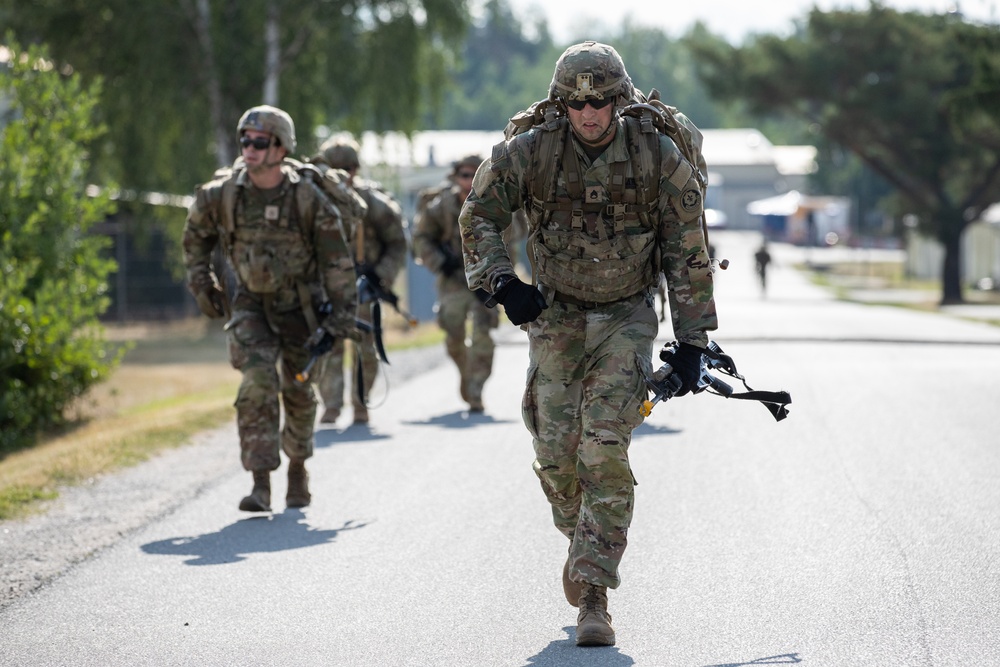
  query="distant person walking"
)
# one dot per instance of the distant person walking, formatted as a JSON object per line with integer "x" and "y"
{"x": 761, "y": 259}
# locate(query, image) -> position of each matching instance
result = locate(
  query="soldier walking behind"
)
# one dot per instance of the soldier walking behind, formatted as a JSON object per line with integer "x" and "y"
{"x": 438, "y": 246}
{"x": 287, "y": 246}
{"x": 611, "y": 203}
{"x": 379, "y": 253}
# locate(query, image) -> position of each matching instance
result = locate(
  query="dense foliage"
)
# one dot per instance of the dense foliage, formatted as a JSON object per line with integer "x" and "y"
{"x": 179, "y": 73}
{"x": 52, "y": 277}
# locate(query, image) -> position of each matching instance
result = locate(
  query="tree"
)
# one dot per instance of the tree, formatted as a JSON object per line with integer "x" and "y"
{"x": 912, "y": 95}
{"x": 52, "y": 277}
{"x": 178, "y": 73}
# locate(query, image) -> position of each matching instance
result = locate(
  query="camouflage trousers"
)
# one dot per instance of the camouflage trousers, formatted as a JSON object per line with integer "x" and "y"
{"x": 330, "y": 376}
{"x": 470, "y": 349}
{"x": 581, "y": 403}
{"x": 268, "y": 350}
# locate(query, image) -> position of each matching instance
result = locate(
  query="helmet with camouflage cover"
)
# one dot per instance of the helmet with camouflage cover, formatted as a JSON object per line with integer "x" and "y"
{"x": 339, "y": 152}
{"x": 472, "y": 160}
{"x": 269, "y": 119}
{"x": 590, "y": 70}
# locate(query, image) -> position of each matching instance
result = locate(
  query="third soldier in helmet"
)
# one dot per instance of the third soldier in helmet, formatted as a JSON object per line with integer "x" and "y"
{"x": 437, "y": 245}
{"x": 610, "y": 206}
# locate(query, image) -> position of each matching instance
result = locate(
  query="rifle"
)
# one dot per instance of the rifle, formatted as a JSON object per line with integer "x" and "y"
{"x": 452, "y": 262}
{"x": 318, "y": 344}
{"x": 665, "y": 383}
{"x": 370, "y": 288}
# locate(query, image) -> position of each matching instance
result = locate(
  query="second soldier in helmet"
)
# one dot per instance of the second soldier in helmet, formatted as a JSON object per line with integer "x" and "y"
{"x": 379, "y": 247}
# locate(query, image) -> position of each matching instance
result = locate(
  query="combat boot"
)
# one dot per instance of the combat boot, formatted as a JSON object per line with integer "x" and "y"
{"x": 360, "y": 414}
{"x": 571, "y": 589}
{"x": 298, "y": 484}
{"x": 330, "y": 416}
{"x": 259, "y": 499}
{"x": 593, "y": 625}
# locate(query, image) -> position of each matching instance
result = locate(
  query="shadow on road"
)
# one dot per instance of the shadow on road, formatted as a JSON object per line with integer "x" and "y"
{"x": 327, "y": 437}
{"x": 460, "y": 419}
{"x": 566, "y": 652}
{"x": 259, "y": 534}
{"x": 783, "y": 659}
{"x": 646, "y": 429}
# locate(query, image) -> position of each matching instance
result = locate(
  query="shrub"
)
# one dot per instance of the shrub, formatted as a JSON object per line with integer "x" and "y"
{"x": 53, "y": 278}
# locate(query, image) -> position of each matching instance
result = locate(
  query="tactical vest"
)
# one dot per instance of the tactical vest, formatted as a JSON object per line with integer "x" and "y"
{"x": 268, "y": 249}
{"x": 591, "y": 246}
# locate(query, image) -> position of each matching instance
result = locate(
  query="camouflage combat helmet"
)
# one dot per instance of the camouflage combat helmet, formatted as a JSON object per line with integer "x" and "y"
{"x": 590, "y": 70}
{"x": 272, "y": 120}
{"x": 468, "y": 161}
{"x": 339, "y": 152}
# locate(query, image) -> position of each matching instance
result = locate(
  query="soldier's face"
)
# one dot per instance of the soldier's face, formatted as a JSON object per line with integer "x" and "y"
{"x": 590, "y": 123}
{"x": 259, "y": 149}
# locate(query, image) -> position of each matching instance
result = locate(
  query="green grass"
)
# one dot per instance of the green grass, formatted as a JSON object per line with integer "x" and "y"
{"x": 174, "y": 382}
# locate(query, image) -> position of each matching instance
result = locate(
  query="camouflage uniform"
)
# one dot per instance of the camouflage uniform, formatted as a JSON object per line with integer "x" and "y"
{"x": 385, "y": 251}
{"x": 287, "y": 247}
{"x": 589, "y": 350}
{"x": 435, "y": 238}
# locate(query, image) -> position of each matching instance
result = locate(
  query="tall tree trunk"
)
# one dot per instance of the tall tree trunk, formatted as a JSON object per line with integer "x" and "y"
{"x": 201, "y": 18}
{"x": 951, "y": 269}
{"x": 272, "y": 65}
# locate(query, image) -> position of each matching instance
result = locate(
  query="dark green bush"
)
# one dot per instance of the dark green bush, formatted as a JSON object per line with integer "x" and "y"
{"x": 53, "y": 278}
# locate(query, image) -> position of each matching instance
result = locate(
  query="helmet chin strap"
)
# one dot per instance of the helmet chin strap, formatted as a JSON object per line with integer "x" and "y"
{"x": 266, "y": 163}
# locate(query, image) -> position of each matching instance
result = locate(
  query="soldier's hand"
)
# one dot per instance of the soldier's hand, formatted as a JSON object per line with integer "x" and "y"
{"x": 685, "y": 360}
{"x": 320, "y": 342}
{"x": 450, "y": 265}
{"x": 211, "y": 301}
{"x": 522, "y": 302}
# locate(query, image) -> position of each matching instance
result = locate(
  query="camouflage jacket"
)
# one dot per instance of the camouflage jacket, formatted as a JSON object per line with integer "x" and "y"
{"x": 436, "y": 235}
{"x": 288, "y": 250}
{"x": 384, "y": 244}
{"x": 673, "y": 220}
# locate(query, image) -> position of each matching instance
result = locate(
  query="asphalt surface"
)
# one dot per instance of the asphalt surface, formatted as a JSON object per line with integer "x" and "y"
{"x": 862, "y": 530}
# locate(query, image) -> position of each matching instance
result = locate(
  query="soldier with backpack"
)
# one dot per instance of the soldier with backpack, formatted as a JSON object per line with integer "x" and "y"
{"x": 613, "y": 186}
{"x": 286, "y": 243}
{"x": 379, "y": 244}
{"x": 438, "y": 246}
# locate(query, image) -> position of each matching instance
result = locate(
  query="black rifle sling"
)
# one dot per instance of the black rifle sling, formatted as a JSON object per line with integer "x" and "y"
{"x": 776, "y": 402}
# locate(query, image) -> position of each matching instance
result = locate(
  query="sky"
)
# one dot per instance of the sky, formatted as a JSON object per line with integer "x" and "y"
{"x": 732, "y": 19}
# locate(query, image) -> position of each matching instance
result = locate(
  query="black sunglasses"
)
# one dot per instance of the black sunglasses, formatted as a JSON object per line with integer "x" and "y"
{"x": 466, "y": 174}
{"x": 260, "y": 143}
{"x": 578, "y": 105}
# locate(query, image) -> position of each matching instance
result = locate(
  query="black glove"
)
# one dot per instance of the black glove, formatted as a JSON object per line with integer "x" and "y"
{"x": 368, "y": 271}
{"x": 685, "y": 360}
{"x": 522, "y": 302}
{"x": 482, "y": 295}
{"x": 452, "y": 263}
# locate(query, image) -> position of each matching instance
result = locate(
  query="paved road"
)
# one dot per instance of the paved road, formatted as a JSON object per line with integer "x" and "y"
{"x": 863, "y": 530}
